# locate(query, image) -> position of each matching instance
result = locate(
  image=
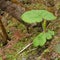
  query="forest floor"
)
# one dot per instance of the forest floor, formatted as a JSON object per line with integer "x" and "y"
{"x": 20, "y": 38}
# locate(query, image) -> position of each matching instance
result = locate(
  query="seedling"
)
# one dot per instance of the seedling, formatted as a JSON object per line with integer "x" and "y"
{"x": 36, "y": 16}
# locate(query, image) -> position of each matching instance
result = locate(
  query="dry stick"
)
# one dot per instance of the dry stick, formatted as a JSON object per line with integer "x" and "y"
{"x": 56, "y": 8}
{"x": 4, "y": 31}
{"x": 24, "y": 48}
{"x": 1, "y": 35}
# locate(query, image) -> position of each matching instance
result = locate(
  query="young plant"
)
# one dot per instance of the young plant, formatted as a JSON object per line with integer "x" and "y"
{"x": 36, "y": 16}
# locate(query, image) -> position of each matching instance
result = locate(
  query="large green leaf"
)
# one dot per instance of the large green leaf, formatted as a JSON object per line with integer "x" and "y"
{"x": 47, "y": 15}
{"x": 40, "y": 40}
{"x": 32, "y": 16}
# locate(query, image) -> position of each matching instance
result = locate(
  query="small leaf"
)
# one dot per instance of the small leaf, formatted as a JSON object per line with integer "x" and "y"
{"x": 51, "y": 32}
{"x": 40, "y": 40}
{"x": 36, "y": 42}
{"x": 48, "y": 36}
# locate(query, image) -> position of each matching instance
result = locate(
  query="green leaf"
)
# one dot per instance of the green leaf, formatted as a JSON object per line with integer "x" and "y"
{"x": 32, "y": 16}
{"x": 48, "y": 15}
{"x": 40, "y": 40}
{"x": 49, "y": 34}
{"x": 36, "y": 42}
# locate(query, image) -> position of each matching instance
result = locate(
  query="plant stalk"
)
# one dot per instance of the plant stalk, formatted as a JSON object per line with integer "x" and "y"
{"x": 44, "y": 25}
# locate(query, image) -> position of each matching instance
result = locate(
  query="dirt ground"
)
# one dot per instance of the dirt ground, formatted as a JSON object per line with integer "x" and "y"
{"x": 21, "y": 37}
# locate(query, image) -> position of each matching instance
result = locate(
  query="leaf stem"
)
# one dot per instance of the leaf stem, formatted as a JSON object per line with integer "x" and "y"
{"x": 44, "y": 25}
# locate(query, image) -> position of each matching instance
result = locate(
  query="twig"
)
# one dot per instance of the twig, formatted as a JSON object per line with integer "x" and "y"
{"x": 5, "y": 35}
{"x": 24, "y": 48}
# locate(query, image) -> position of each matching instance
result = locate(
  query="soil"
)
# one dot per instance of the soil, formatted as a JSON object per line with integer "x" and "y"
{"x": 21, "y": 38}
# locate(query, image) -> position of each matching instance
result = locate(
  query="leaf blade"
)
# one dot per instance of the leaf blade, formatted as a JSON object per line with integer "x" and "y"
{"x": 32, "y": 16}
{"x": 40, "y": 40}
